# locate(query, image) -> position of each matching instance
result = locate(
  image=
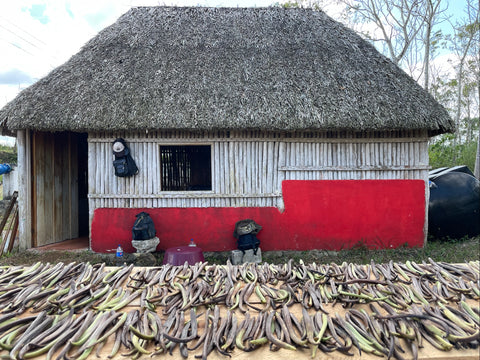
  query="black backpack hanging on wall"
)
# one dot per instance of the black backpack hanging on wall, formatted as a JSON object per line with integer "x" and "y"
{"x": 143, "y": 228}
{"x": 123, "y": 164}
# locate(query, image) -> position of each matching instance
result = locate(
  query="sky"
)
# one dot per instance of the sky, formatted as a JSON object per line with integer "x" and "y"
{"x": 38, "y": 35}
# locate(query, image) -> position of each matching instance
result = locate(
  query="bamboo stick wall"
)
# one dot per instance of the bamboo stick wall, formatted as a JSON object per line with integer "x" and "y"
{"x": 248, "y": 167}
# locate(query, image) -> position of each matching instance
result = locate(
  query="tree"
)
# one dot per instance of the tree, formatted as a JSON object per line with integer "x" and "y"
{"x": 405, "y": 28}
{"x": 474, "y": 8}
{"x": 399, "y": 22}
{"x": 433, "y": 11}
{"x": 461, "y": 42}
{"x": 464, "y": 44}
{"x": 407, "y": 31}
{"x": 443, "y": 153}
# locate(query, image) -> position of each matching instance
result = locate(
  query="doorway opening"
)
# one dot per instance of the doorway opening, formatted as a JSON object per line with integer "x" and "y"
{"x": 59, "y": 187}
{"x": 83, "y": 218}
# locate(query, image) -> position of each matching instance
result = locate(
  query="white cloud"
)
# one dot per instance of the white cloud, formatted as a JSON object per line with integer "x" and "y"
{"x": 8, "y": 92}
{"x": 37, "y": 36}
{"x": 14, "y": 76}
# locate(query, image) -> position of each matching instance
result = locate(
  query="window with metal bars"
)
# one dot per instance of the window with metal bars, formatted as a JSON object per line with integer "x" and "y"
{"x": 186, "y": 168}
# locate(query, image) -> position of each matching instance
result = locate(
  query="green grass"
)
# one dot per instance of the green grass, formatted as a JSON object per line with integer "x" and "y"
{"x": 453, "y": 251}
{"x": 8, "y": 155}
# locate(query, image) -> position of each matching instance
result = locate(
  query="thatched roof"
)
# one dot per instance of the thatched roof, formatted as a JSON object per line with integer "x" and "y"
{"x": 226, "y": 68}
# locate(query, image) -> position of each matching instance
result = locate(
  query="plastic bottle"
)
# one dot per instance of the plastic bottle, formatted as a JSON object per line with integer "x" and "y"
{"x": 119, "y": 253}
{"x": 192, "y": 243}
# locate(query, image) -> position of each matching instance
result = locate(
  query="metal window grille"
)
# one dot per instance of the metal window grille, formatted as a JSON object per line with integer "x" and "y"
{"x": 186, "y": 168}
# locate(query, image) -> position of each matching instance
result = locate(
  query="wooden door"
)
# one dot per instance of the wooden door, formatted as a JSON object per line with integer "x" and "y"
{"x": 55, "y": 187}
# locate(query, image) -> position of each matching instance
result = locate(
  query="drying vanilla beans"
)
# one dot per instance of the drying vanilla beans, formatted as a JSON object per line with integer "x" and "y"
{"x": 71, "y": 311}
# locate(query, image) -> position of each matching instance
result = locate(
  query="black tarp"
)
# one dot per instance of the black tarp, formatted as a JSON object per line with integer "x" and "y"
{"x": 454, "y": 206}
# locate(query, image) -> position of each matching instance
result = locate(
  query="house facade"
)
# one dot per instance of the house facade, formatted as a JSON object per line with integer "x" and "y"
{"x": 308, "y": 190}
{"x": 283, "y": 116}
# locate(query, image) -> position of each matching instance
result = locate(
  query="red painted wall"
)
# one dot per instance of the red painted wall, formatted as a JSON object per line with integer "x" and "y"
{"x": 319, "y": 214}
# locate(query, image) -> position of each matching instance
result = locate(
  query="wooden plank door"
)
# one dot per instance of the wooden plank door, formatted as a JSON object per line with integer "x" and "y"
{"x": 54, "y": 187}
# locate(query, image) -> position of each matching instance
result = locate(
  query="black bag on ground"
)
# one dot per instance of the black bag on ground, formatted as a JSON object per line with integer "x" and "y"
{"x": 123, "y": 164}
{"x": 247, "y": 242}
{"x": 143, "y": 228}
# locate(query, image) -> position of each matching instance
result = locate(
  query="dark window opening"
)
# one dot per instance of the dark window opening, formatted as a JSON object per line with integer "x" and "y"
{"x": 186, "y": 168}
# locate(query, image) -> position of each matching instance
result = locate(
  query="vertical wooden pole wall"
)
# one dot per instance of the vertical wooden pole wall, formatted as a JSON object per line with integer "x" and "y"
{"x": 24, "y": 188}
{"x": 248, "y": 167}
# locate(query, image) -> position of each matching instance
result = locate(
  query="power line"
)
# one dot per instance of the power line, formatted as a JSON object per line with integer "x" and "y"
{"x": 20, "y": 37}
{"x": 53, "y": 58}
{"x": 27, "y": 52}
{"x": 16, "y": 46}
{"x": 19, "y": 47}
{"x": 28, "y": 41}
{"x": 23, "y": 30}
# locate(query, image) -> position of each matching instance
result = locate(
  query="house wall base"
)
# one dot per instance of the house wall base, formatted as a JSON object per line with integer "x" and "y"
{"x": 319, "y": 214}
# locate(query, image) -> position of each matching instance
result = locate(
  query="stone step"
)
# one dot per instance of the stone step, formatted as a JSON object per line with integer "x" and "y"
{"x": 239, "y": 257}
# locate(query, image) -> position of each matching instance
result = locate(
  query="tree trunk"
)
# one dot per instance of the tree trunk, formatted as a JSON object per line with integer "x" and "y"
{"x": 426, "y": 60}
{"x": 458, "y": 111}
{"x": 477, "y": 158}
{"x": 469, "y": 134}
{"x": 476, "y": 172}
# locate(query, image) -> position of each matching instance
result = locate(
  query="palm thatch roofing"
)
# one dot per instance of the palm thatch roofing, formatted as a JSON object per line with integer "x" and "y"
{"x": 226, "y": 68}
